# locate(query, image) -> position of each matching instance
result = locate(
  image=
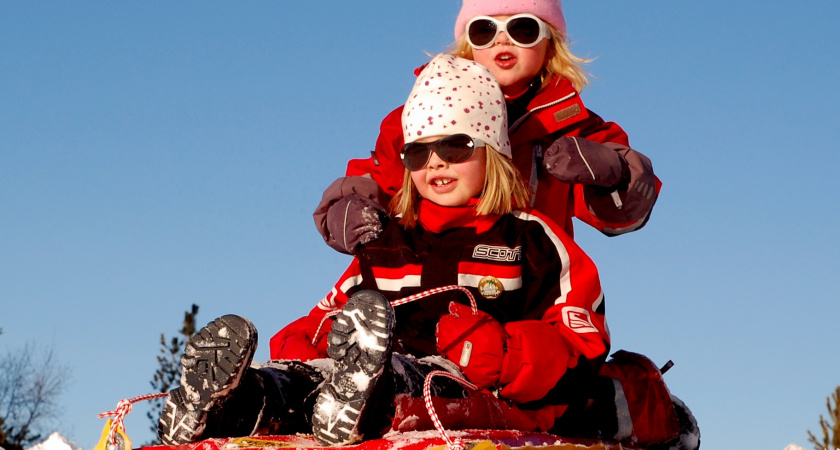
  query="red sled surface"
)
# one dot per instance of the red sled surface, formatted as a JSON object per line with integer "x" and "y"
{"x": 414, "y": 440}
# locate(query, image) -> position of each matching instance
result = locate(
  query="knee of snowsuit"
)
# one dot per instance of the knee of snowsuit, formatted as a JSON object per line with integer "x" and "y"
{"x": 626, "y": 401}
{"x": 644, "y": 408}
{"x": 275, "y": 398}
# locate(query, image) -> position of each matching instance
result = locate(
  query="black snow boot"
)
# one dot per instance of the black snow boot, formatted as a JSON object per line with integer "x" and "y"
{"x": 361, "y": 344}
{"x": 212, "y": 366}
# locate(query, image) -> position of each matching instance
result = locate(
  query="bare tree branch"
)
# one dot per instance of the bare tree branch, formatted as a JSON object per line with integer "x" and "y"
{"x": 830, "y": 427}
{"x": 31, "y": 382}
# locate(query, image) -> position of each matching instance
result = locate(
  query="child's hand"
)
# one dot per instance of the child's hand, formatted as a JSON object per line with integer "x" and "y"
{"x": 355, "y": 220}
{"x": 476, "y": 342}
{"x": 350, "y": 213}
{"x": 576, "y": 160}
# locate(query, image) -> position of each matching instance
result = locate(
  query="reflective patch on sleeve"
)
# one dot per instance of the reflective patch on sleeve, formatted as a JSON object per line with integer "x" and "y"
{"x": 566, "y": 113}
{"x": 578, "y": 320}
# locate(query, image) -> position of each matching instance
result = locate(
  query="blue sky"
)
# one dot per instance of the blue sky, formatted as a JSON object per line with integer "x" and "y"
{"x": 159, "y": 154}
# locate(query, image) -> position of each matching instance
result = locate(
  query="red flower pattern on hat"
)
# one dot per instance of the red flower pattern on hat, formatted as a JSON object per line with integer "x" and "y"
{"x": 456, "y": 95}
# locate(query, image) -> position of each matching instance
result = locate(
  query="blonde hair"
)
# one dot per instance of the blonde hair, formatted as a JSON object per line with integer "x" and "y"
{"x": 504, "y": 190}
{"x": 559, "y": 59}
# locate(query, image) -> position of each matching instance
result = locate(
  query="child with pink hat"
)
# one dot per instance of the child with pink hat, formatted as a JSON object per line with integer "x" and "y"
{"x": 577, "y": 164}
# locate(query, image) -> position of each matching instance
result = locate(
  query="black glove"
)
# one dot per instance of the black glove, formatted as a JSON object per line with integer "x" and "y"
{"x": 576, "y": 160}
{"x": 355, "y": 220}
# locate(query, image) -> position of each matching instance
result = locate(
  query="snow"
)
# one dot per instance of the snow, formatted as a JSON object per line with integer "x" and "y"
{"x": 55, "y": 442}
{"x": 409, "y": 422}
{"x": 454, "y": 407}
{"x": 372, "y": 340}
{"x": 408, "y": 438}
{"x": 361, "y": 380}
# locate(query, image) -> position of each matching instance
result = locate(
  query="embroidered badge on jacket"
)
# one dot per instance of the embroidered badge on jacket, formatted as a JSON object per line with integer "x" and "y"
{"x": 490, "y": 287}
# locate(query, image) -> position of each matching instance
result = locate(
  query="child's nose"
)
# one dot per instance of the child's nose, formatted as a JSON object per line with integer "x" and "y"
{"x": 502, "y": 38}
{"x": 435, "y": 162}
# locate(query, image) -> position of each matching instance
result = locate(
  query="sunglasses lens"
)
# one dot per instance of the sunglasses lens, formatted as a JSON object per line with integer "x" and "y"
{"x": 415, "y": 155}
{"x": 455, "y": 149}
{"x": 524, "y": 30}
{"x": 481, "y": 32}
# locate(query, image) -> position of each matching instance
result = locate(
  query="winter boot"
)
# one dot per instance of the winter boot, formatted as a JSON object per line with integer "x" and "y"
{"x": 689, "y": 438}
{"x": 211, "y": 367}
{"x": 360, "y": 343}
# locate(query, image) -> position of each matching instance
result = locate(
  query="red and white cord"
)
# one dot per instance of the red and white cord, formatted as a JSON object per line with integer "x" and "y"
{"x": 123, "y": 408}
{"x": 453, "y": 443}
{"x": 438, "y": 290}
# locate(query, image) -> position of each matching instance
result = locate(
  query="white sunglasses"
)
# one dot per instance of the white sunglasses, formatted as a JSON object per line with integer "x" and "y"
{"x": 524, "y": 30}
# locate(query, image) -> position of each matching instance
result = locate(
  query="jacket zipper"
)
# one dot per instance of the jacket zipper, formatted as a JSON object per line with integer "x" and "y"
{"x": 528, "y": 113}
{"x": 536, "y": 153}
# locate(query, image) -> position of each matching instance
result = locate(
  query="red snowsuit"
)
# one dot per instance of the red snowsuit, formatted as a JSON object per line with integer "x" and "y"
{"x": 551, "y": 304}
{"x": 553, "y": 112}
{"x": 551, "y": 307}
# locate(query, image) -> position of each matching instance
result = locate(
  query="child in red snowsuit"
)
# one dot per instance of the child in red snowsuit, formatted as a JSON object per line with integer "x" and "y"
{"x": 532, "y": 346}
{"x": 576, "y": 164}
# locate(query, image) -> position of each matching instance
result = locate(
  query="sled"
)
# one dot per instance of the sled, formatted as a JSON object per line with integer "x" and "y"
{"x": 412, "y": 440}
{"x": 114, "y": 437}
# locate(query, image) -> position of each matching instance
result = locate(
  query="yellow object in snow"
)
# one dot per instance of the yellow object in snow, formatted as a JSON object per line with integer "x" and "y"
{"x": 121, "y": 440}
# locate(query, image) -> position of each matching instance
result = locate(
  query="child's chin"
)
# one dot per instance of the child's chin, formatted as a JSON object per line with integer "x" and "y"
{"x": 446, "y": 201}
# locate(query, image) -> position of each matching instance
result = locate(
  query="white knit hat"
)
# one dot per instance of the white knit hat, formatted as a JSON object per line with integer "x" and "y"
{"x": 455, "y": 95}
{"x": 550, "y": 11}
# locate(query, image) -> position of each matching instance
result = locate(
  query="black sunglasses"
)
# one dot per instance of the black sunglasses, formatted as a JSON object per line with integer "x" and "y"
{"x": 453, "y": 149}
{"x": 524, "y": 30}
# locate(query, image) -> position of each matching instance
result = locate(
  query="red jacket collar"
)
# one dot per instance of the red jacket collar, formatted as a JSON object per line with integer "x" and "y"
{"x": 438, "y": 219}
{"x": 554, "y": 107}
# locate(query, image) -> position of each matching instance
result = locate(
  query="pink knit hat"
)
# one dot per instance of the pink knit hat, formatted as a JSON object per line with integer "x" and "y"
{"x": 551, "y": 11}
{"x": 455, "y": 95}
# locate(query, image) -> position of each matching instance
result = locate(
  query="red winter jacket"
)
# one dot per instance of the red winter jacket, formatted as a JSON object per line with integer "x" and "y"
{"x": 553, "y": 112}
{"x": 551, "y": 292}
